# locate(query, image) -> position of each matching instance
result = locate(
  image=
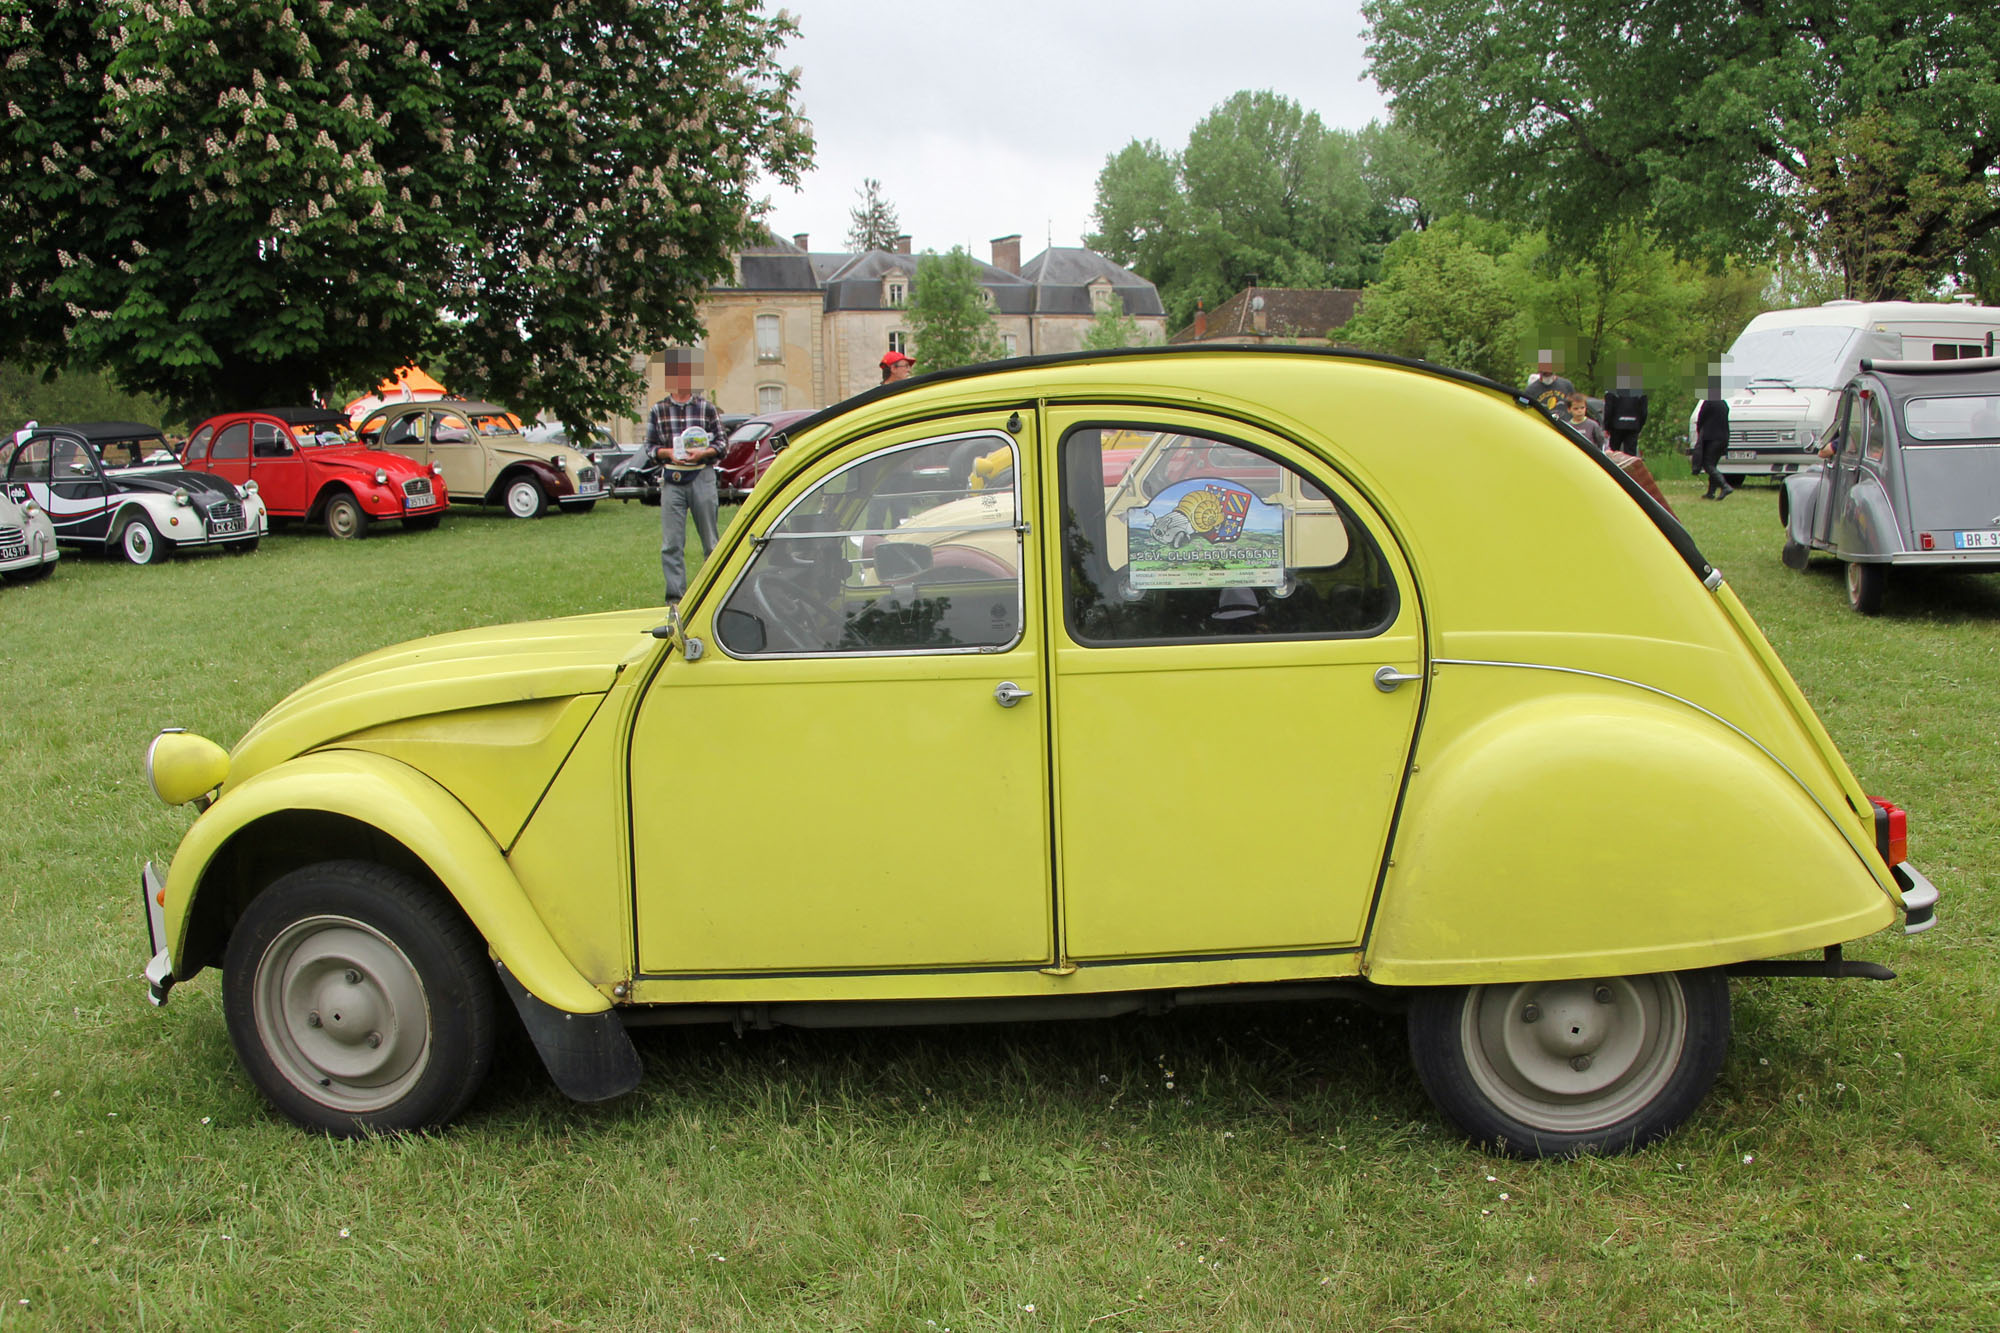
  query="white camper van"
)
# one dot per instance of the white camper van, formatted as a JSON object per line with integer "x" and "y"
{"x": 1784, "y": 372}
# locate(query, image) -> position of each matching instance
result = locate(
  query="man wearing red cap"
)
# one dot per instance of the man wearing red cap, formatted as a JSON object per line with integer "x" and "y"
{"x": 895, "y": 366}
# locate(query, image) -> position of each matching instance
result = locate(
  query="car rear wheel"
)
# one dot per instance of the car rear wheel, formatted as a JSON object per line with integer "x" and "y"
{"x": 141, "y": 543}
{"x": 359, "y": 1000}
{"x": 345, "y": 518}
{"x": 525, "y": 498}
{"x": 1557, "y": 1068}
{"x": 1865, "y": 586}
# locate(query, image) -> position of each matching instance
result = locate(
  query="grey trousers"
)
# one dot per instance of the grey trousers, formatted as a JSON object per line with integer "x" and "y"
{"x": 676, "y": 503}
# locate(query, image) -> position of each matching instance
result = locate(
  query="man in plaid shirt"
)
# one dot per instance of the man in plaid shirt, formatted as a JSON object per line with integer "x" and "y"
{"x": 687, "y": 475}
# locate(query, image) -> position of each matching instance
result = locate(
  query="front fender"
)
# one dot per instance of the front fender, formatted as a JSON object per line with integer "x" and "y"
{"x": 1605, "y": 834}
{"x": 401, "y": 804}
{"x": 554, "y": 481}
{"x": 1797, "y": 503}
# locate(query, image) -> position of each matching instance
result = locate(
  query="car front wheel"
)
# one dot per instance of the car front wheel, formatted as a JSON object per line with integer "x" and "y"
{"x": 359, "y": 1000}
{"x": 141, "y": 543}
{"x": 525, "y": 498}
{"x": 1557, "y": 1068}
{"x": 345, "y": 518}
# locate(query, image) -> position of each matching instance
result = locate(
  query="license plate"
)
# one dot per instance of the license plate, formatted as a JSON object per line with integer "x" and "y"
{"x": 1972, "y": 541}
{"x": 588, "y": 488}
{"x": 13, "y": 552}
{"x": 1742, "y": 453}
{"x": 421, "y": 500}
{"x": 222, "y": 527}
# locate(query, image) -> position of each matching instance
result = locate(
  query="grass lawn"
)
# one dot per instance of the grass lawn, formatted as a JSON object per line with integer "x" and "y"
{"x": 1269, "y": 1169}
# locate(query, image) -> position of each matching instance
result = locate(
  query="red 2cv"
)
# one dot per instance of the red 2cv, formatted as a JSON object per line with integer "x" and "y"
{"x": 308, "y": 463}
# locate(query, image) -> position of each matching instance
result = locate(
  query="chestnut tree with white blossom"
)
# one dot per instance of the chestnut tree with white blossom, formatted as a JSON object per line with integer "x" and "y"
{"x": 234, "y": 201}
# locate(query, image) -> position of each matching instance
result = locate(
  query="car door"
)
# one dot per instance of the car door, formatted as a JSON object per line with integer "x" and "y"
{"x": 229, "y": 455}
{"x": 853, "y": 776}
{"x": 461, "y": 456}
{"x": 403, "y": 433}
{"x": 1848, "y": 429}
{"x": 28, "y": 479}
{"x": 278, "y": 469}
{"x": 1851, "y": 534}
{"x": 80, "y": 500}
{"x": 1237, "y": 653}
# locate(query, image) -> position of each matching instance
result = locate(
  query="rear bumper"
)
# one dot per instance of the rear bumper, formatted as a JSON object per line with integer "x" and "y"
{"x": 160, "y": 968}
{"x": 1920, "y": 899}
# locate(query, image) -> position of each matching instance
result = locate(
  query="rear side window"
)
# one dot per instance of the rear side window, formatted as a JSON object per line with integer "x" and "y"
{"x": 31, "y": 461}
{"x": 1198, "y": 538}
{"x": 1960, "y": 417}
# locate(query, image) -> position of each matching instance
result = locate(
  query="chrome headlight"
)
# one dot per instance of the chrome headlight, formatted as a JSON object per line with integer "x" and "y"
{"x": 30, "y": 508}
{"x": 557, "y": 460}
{"x": 436, "y": 471}
{"x": 381, "y": 477}
{"x": 250, "y": 487}
{"x": 181, "y": 498}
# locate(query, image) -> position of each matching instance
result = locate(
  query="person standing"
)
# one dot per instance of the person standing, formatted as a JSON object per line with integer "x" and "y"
{"x": 684, "y": 433}
{"x": 1625, "y": 412}
{"x": 1580, "y": 421}
{"x": 1711, "y": 441}
{"x": 1549, "y": 390}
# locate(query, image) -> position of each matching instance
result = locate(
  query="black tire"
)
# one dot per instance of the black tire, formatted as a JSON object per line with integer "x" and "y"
{"x": 359, "y": 1000}
{"x": 243, "y": 548}
{"x": 1865, "y": 586}
{"x": 344, "y": 517}
{"x": 41, "y": 571}
{"x": 422, "y": 522}
{"x": 524, "y": 497}
{"x": 1794, "y": 555}
{"x": 583, "y": 508}
{"x": 1500, "y": 1060}
{"x": 141, "y": 543}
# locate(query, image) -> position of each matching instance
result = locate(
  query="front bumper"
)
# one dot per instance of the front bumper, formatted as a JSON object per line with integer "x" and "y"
{"x": 159, "y": 971}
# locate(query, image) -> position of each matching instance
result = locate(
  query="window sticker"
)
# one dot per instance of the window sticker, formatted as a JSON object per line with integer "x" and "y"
{"x": 1206, "y": 532}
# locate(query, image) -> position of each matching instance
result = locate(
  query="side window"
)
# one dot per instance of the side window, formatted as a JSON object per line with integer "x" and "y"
{"x": 70, "y": 460}
{"x": 452, "y": 429}
{"x": 267, "y": 441}
{"x": 31, "y": 461}
{"x": 916, "y": 548}
{"x": 197, "y": 448}
{"x": 1205, "y": 539}
{"x": 233, "y": 444}
{"x": 1853, "y": 416}
{"x": 1878, "y": 428}
{"x": 405, "y": 429}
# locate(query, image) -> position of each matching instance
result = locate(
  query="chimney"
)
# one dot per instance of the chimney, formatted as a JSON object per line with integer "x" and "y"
{"x": 1259, "y": 320}
{"x": 1200, "y": 319}
{"x": 1007, "y": 253}
{"x": 903, "y": 244}
{"x": 800, "y": 238}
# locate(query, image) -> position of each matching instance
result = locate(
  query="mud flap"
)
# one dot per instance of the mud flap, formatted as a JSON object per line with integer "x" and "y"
{"x": 590, "y": 1056}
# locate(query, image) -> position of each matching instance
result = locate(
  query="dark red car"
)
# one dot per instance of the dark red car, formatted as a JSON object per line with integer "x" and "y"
{"x": 746, "y": 454}
{"x": 308, "y": 463}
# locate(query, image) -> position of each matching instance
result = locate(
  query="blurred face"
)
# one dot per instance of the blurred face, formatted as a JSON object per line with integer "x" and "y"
{"x": 680, "y": 379}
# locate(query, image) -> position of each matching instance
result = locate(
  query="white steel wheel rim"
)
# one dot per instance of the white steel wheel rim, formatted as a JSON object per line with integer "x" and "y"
{"x": 523, "y": 498}
{"x": 138, "y": 543}
{"x": 1572, "y": 1057}
{"x": 343, "y": 517}
{"x": 342, "y": 1013}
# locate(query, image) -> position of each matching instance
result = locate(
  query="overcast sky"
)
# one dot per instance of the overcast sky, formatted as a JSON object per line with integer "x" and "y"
{"x": 985, "y": 119}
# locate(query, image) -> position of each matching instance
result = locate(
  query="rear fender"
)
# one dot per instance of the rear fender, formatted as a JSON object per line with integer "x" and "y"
{"x": 1601, "y": 833}
{"x": 254, "y": 829}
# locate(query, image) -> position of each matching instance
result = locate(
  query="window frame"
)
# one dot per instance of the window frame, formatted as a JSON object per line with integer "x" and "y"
{"x": 776, "y": 354}
{"x": 759, "y": 541}
{"x": 1359, "y": 534}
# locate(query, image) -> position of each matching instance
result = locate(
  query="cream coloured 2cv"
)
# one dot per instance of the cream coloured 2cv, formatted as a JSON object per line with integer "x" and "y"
{"x": 1303, "y": 704}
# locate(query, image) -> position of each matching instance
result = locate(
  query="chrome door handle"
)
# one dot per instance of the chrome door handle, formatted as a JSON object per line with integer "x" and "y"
{"x": 1009, "y": 694}
{"x": 1388, "y": 678}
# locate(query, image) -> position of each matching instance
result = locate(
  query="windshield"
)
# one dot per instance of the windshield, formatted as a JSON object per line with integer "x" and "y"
{"x": 1814, "y": 357}
{"x": 1966, "y": 417}
{"x": 750, "y": 430}
{"x": 133, "y": 453}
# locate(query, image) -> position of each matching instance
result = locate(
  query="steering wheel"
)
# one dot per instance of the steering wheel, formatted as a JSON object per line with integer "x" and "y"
{"x": 789, "y": 612}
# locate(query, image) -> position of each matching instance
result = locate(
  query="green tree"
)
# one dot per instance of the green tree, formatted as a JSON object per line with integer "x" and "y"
{"x": 949, "y": 320}
{"x": 1724, "y": 127}
{"x": 1262, "y": 191}
{"x": 872, "y": 223}
{"x": 242, "y": 200}
{"x": 76, "y": 395}
{"x": 1112, "y": 328}
{"x": 1450, "y": 294}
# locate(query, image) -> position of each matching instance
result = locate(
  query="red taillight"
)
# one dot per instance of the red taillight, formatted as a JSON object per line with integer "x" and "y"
{"x": 1892, "y": 831}
{"x": 1926, "y": 541}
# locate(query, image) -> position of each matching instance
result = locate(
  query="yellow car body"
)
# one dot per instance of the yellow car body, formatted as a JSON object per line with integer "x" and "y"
{"x": 1005, "y": 812}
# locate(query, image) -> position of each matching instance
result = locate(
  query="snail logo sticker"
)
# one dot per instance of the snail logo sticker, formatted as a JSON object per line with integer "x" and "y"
{"x": 1206, "y": 533}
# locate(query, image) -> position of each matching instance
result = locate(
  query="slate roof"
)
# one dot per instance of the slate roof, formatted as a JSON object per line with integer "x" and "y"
{"x": 1055, "y": 282}
{"x": 1289, "y": 312}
